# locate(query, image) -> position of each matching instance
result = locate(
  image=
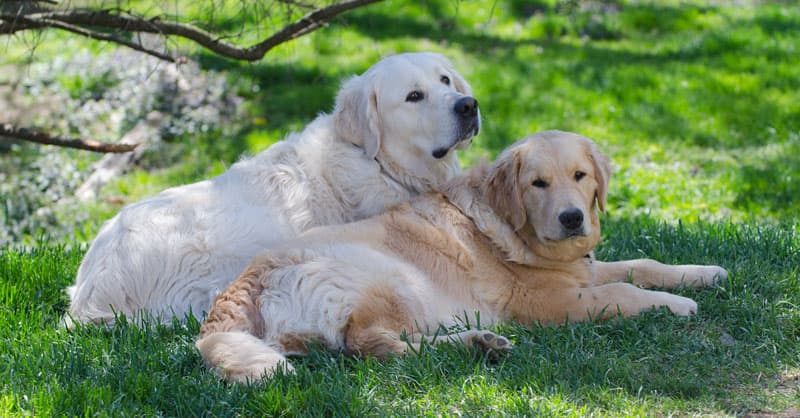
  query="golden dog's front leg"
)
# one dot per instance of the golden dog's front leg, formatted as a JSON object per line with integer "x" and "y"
{"x": 553, "y": 306}
{"x": 651, "y": 273}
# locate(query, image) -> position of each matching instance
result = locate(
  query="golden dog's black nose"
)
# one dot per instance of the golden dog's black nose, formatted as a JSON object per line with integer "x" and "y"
{"x": 466, "y": 107}
{"x": 571, "y": 218}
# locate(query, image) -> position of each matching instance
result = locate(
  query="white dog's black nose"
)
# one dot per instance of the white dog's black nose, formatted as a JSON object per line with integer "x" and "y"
{"x": 466, "y": 107}
{"x": 571, "y": 218}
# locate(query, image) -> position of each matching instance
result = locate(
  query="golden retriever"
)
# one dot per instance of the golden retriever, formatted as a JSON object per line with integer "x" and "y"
{"x": 510, "y": 241}
{"x": 391, "y": 136}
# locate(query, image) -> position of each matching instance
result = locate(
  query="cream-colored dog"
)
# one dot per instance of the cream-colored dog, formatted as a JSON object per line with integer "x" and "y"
{"x": 391, "y": 136}
{"x": 510, "y": 241}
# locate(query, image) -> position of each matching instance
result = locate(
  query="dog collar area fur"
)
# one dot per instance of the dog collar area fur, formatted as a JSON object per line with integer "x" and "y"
{"x": 412, "y": 184}
{"x": 385, "y": 174}
{"x": 395, "y": 183}
{"x": 466, "y": 197}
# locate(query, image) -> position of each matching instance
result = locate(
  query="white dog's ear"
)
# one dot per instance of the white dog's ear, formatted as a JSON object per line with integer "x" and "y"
{"x": 460, "y": 84}
{"x": 503, "y": 191}
{"x": 602, "y": 172}
{"x": 356, "y": 114}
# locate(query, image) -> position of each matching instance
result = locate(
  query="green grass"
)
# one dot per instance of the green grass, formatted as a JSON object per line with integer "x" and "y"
{"x": 730, "y": 358}
{"x": 699, "y": 106}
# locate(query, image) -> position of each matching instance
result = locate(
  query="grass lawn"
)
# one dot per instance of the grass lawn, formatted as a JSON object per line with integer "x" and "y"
{"x": 697, "y": 103}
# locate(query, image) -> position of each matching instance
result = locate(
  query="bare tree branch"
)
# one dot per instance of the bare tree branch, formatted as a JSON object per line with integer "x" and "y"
{"x": 11, "y": 131}
{"x": 107, "y": 19}
{"x": 110, "y": 24}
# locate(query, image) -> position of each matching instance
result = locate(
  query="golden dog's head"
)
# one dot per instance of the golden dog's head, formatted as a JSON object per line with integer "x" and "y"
{"x": 549, "y": 187}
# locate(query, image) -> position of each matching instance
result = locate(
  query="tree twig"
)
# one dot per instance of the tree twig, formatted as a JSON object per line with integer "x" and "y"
{"x": 297, "y": 3}
{"x": 99, "y": 36}
{"x": 11, "y": 131}
{"x": 11, "y": 23}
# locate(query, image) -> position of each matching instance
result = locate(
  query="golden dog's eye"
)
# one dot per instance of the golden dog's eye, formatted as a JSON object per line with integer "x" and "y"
{"x": 540, "y": 183}
{"x": 579, "y": 175}
{"x": 445, "y": 79}
{"x": 415, "y": 96}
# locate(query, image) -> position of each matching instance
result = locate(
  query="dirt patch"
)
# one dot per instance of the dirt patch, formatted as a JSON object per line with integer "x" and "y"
{"x": 787, "y": 384}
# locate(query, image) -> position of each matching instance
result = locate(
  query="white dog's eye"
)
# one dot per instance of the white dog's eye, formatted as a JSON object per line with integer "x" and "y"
{"x": 415, "y": 96}
{"x": 579, "y": 175}
{"x": 445, "y": 79}
{"x": 540, "y": 183}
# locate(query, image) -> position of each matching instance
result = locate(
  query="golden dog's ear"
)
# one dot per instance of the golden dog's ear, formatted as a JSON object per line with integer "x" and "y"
{"x": 503, "y": 191}
{"x": 602, "y": 172}
{"x": 356, "y": 114}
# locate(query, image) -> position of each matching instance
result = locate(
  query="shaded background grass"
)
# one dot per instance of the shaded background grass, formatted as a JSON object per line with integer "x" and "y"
{"x": 696, "y": 102}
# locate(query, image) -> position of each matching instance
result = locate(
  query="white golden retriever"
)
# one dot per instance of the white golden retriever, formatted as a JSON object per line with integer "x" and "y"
{"x": 391, "y": 136}
{"x": 508, "y": 242}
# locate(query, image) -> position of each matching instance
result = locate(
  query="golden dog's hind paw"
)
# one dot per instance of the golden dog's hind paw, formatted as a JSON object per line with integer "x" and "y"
{"x": 488, "y": 341}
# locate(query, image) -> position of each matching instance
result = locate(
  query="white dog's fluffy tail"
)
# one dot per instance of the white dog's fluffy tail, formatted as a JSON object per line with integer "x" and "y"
{"x": 240, "y": 356}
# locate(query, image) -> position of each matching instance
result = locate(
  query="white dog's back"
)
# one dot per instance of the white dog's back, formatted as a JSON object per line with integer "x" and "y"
{"x": 129, "y": 267}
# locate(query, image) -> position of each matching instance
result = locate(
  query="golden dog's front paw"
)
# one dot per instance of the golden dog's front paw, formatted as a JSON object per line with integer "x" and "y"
{"x": 682, "y": 306}
{"x": 704, "y": 276}
{"x": 718, "y": 274}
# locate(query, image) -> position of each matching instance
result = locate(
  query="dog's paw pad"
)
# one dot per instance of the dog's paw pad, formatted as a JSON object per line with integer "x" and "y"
{"x": 489, "y": 341}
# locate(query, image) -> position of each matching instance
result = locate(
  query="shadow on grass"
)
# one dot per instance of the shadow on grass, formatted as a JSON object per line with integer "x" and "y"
{"x": 735, "y": 66}
{"x": 771, "y": 185}
{"x": 280, "y": 98}
{"x": 779, "y": 22}
{"x": 281, "y": 93}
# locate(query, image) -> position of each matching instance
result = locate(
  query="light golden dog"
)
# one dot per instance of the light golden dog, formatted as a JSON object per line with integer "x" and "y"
{"x": 510, "y": 241}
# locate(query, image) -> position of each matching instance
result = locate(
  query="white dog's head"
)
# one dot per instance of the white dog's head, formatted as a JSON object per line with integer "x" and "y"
{"x": 409, "y": 112}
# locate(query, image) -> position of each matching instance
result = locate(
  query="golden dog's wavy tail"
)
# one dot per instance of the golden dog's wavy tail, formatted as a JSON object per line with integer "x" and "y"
{"x": 230, "y": 340}
{"x": 241, "y": 357}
